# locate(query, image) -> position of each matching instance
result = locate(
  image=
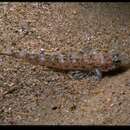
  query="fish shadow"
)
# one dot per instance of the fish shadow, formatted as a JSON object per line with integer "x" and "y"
{"x": 115, "y": 72}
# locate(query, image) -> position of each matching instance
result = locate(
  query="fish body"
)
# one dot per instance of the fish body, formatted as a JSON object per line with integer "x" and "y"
{"x": 101, "y": 61}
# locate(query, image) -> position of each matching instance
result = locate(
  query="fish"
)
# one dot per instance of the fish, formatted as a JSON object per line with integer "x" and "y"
{"x": 99, "y": 61}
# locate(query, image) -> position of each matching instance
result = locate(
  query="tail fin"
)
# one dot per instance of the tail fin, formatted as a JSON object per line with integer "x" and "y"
{"x": 7, "y": 53}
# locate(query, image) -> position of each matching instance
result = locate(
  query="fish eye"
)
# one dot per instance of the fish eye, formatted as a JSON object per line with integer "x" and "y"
{"x": 116, "y": 59}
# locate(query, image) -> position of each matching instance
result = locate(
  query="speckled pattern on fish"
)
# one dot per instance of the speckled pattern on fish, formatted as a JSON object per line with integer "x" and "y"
{"x": 100, "y": 61}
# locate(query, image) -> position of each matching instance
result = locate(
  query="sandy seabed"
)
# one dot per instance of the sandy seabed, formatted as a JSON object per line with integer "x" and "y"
{"x": 30, "y": 95}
